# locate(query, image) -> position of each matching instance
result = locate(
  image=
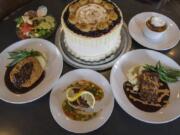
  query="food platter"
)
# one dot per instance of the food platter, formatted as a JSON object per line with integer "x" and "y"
{"x": 106, "y": 63}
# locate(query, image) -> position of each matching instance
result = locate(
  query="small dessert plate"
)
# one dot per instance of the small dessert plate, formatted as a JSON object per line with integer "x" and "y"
{"x": 169, "y": 40}
{"x": 118, "y": 77}
{"x": 53, "y": 70}
{"x": 58, "y": 96}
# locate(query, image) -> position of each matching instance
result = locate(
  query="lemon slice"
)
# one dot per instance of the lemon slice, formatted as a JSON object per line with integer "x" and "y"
{"x": 85, "y": 95}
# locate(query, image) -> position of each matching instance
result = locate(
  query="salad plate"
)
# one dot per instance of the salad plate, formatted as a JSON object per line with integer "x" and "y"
{"x": 135, "y": 105}
{"x": 35, "y": 24}
{"x": 21, "y": 85}
{"x": 72, "y": 121}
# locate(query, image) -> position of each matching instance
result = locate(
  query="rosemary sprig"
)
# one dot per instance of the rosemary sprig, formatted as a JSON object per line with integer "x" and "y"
{"x": 165, "y": 74}
{"x": 19, "y": 55}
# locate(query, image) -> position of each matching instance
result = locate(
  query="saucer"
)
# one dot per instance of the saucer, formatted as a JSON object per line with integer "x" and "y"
{"x": 170, "y": 39}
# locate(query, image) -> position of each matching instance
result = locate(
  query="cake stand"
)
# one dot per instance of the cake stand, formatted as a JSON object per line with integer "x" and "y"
{"x": 103, "y": 64}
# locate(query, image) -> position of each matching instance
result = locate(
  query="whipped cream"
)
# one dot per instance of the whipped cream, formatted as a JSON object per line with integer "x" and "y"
{"x": 91, "y": 14}
{"x": 157, "y": 21}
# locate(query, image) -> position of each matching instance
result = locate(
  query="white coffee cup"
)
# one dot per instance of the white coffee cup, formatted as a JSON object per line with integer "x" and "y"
{"x": 153, "y": 35}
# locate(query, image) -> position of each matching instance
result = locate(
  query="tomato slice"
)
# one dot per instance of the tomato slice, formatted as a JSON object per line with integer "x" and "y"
{"x": 25, "y": 28}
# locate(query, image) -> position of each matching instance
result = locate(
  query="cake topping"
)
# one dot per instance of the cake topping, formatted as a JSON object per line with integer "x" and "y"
{"x": 108, "y": 5}
{"x": 83, "y": 2}
{"x": 113, "y": 16}
{"x": 157, "y": 21}
{"x": 92, "y": 15}
{"x": 102, "y": 25}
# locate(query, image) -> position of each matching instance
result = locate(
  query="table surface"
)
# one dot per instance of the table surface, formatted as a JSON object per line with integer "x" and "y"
{"x": 35, "y": 118}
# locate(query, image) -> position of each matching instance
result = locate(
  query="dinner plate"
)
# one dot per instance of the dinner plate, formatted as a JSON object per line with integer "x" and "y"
{"x": 118, "y": 77}
{"x": 170, "y": 39}
{"x": 58, "y": 96}
{"x": 52, "y": 71}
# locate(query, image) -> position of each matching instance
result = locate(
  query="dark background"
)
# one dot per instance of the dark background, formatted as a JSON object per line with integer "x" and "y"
{"x": 35, "y": 118}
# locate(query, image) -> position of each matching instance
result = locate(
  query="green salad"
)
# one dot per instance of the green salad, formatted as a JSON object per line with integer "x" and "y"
{"x": 35, "y": 24}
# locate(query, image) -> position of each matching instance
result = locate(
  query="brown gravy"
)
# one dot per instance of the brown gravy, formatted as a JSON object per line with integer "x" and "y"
{"x": 134, "y": 97}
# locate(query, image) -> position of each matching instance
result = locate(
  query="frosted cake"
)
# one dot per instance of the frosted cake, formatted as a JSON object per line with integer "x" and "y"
{"x": 92, "y": 28}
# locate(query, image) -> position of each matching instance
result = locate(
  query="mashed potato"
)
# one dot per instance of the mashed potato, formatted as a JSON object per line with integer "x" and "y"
{"x": 133, "y": 74}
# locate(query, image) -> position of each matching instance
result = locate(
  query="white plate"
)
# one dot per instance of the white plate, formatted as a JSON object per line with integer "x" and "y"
{"x": 170, "y": 39}
{"x": 58, "y": 95}
{"x": 52, "y": 71}
{"x": 118, "y": 77}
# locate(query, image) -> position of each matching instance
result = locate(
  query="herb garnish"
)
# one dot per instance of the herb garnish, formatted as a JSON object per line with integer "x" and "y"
{"x": 165, "y": 74}
{"x": 19, "y": 55}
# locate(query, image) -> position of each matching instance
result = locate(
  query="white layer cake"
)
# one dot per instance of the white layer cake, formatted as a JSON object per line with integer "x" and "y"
{"x": 89, "y": 17}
